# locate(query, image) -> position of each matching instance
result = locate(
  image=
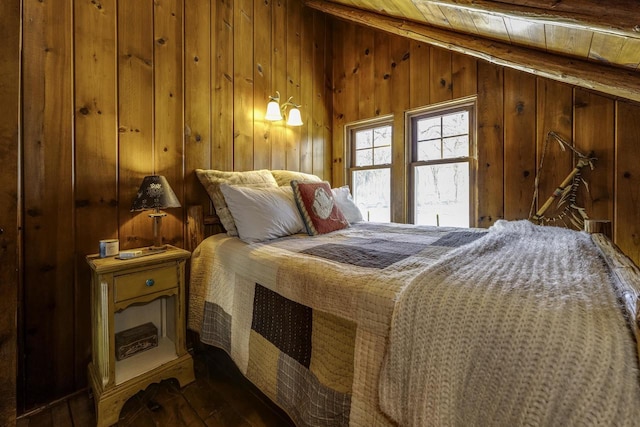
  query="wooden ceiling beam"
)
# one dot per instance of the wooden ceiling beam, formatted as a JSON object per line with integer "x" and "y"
{"x": 612, "y": 18}
{"x": 602, "y": 78}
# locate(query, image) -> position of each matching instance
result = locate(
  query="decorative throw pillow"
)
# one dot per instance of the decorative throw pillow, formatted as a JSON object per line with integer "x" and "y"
{"x": 211, "y": 180}
{"x": 262, "y": 213}
{"x": 283, "y": 177}
{"x": 346, "y": 204}
{"x": 319, "y": 210}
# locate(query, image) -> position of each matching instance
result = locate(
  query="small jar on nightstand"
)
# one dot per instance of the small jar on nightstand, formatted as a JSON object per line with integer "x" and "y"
{"x": 137, "y": 294}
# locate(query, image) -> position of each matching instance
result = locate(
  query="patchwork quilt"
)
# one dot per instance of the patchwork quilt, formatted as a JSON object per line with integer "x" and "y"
{"x": 306, "y": 319}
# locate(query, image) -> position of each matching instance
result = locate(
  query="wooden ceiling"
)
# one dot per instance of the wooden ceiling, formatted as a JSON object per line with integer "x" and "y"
{"x": 603, "y": 33}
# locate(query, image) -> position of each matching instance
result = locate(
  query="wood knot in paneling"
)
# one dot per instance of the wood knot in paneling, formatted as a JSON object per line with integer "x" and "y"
{"x": 34, "y": 212}
{"x": 520, "y": 107}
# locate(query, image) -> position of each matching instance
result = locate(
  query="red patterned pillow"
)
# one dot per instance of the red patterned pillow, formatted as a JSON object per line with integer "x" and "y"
{"x": 319, "y": 210}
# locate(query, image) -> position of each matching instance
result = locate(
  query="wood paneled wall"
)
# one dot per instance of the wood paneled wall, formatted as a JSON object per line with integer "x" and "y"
{"x": 114, "y": 90}
{"x": 9, "y": 155}
{"x": 377, "y": 73}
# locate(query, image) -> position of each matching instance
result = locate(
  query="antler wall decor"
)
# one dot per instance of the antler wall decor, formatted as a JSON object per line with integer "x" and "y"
{"x": 567, "y": 190}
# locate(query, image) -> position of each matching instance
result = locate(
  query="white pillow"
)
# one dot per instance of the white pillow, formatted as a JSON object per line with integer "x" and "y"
{"x": 211, "y": 180}
{"x": 262, "y": 213}
{"x": 345, "y": 202}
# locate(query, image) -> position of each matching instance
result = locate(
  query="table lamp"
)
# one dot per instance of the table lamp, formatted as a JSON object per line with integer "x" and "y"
{"x": 155, "y": 193}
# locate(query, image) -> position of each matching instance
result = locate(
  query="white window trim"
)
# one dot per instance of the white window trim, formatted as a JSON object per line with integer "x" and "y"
{"x": 352, "y": 127}
{"x": 438, "y": 109}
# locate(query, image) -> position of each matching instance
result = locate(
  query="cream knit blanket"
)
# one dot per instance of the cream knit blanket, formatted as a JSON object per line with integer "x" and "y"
{"x": 521, "y": 327}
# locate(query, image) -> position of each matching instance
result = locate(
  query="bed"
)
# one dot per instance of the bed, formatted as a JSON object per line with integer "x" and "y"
{"x": 390, "y": 324}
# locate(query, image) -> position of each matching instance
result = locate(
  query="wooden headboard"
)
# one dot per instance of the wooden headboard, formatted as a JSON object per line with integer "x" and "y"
{"x": 625, "y": 273}
{"x": 200, "y": 226}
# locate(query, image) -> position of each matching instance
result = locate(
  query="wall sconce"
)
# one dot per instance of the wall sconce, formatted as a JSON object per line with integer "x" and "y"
{"x": 275, "y": 111}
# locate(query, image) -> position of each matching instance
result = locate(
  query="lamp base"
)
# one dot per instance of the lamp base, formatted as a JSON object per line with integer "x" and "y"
{"x": 157, "y": 237}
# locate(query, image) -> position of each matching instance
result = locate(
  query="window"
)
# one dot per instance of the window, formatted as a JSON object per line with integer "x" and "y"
{"x": 370, "y": 168}
{"x": 441, "y": 171}
{"x": 432, "y": 174}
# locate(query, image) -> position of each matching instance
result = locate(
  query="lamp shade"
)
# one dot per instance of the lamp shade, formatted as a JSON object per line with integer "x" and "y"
{"x": 273, "y": 111}
{"x": 294, "y": 118}
{"x": 155, "y": 193}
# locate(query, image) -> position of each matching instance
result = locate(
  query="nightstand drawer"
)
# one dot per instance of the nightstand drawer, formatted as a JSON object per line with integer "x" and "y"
{"x": 145, "y": 282}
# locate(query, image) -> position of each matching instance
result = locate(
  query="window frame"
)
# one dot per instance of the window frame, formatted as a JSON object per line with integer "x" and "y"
{"x": 350, "y": 130}
{"x": 411, "y": 129}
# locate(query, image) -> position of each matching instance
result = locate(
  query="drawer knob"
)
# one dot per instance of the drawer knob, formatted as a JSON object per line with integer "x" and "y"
{"x": 149, "y": 282}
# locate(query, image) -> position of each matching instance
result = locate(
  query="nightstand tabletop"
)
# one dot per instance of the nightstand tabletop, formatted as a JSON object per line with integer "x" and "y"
{"x": 112, "y": 263}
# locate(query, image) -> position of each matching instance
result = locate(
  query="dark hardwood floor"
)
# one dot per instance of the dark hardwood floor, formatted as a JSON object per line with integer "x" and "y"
{"x": 218, "y": 397}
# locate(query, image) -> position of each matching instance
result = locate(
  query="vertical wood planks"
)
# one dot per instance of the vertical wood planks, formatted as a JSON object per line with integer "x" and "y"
{"x": 400, "y": 101}
{"x": 554, "y": 113}
{"x": 48, "y": 202}
{"x": 594, "y": 132}
{"x": 261, "y": 84}
{"x": 197, "y": 92}
{"x": 243, "y": 85}
{"x": 441, "y": 84}
{"x": 222, "y": 86}
{"x": 168, "y": 109}
{"x": 135, "y": 117}
{"x": 308, "y": 48}
{"x": 627, "y": 180}
{"x": 365, "y": 52}
{"x": 464, "y": 75}
{"x": 279, "y": 81}
{"x": 339, "y": 100}
{"x": 519, "y": 143}
{"x": 326, "y": 104}
{"x": 320, "y": 97}
{"x": 96, "y": 153}
{"x": 293, "y": 80}
{"x": 419, "y": 74}
{"x": 382, "y": 74}
{"x": 9, "y": 201}
{"x": 490, "y": 145}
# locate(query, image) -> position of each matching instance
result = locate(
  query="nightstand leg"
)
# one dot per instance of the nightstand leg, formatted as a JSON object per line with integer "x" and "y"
{"x": 109, "y": 403}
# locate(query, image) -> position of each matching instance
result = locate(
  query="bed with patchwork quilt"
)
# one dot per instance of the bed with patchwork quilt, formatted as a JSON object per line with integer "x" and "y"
{"x": 389, "y": 324}
{"x": 306, "y": 319}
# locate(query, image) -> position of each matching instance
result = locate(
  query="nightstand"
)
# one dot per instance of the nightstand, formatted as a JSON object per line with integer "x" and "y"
{"x": 129, "y": 293}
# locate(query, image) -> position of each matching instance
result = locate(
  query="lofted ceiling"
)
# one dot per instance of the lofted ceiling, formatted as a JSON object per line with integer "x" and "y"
{"x": 576, "y": 41}
{"x": 604, "y": 31}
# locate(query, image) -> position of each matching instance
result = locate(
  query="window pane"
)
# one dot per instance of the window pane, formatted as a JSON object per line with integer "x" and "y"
{"x": 429, "y": 150}
{"x": 442, "y": 194}
{"x": 455, "y": 124}
{"x": 456, "y": 147}
{"x": 364, "y": 157}
{"x": 429, "y": 128}
{"x": 382, "y": 136}
{"x": 382, "y": 156}
{"x": 364, "y": 139}
{"x": 372, "y": 193}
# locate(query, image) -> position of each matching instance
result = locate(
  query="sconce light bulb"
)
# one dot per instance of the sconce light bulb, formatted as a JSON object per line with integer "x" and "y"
{"x": 295, "y": 118}
{"x": 273, "y": 111}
